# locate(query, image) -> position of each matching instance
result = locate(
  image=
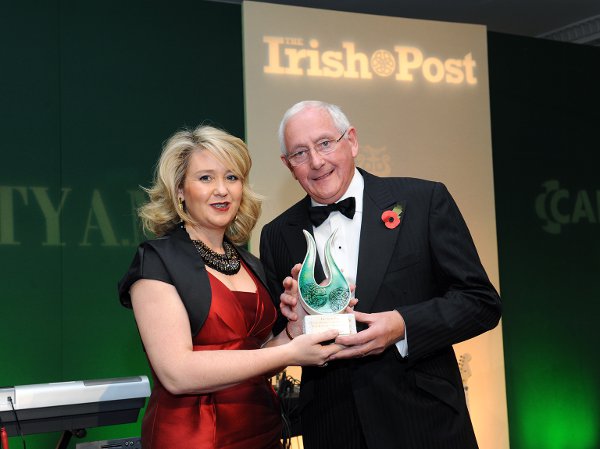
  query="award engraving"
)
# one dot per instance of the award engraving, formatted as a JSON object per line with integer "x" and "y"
{"x": 325, "y": 304}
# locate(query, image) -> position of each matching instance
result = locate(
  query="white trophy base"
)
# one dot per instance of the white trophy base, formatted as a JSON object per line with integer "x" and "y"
{"x": 344, "y": 323}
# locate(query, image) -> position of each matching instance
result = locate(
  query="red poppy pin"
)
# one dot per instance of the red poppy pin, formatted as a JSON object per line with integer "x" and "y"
{"x": 392, "y": 218}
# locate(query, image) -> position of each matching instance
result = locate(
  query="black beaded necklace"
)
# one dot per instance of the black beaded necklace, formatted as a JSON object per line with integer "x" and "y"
{"x": 228, "y": 263}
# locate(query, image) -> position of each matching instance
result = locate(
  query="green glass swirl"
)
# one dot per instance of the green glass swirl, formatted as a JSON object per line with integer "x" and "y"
{"x": 334, "y": 295}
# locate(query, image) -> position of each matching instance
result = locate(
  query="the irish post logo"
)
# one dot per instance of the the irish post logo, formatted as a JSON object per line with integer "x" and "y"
{"x": 298, "y": 57}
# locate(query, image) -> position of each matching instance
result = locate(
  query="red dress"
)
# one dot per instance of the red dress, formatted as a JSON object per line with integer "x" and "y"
{"x": 245, "y": 416}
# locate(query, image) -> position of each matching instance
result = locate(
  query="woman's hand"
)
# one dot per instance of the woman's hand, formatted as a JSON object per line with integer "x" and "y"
{"x": 307, "y": 349}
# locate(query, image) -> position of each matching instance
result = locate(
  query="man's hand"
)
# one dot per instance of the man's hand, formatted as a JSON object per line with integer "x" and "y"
{"x": 385, "y": 329}
{"x": 289, "y": 298}
{"x": 290, "y": 304}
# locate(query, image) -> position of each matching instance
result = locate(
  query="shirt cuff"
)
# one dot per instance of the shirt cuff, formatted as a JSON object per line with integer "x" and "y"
{"x": 402, "y": 345}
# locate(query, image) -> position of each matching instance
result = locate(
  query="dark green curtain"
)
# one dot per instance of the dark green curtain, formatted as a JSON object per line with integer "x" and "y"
{"x": 545, "y": 118}
{"x": 89, "y": 91}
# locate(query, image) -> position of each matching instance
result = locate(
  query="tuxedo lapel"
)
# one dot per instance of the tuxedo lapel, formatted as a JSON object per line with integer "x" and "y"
{"x": 377, "y": 242}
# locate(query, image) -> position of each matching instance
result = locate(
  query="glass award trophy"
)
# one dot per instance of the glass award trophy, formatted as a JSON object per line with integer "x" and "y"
{"x": 326, "y": 303}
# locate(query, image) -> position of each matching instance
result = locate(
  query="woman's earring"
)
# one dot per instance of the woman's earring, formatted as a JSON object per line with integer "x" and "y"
{"x": 181, "y": 205}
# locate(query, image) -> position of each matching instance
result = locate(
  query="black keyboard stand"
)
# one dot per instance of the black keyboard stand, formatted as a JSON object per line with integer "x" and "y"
{"x": 65, "y": 437}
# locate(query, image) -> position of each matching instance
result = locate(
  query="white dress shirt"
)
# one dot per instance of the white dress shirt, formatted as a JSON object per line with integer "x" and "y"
{"x": 347, "y": 240}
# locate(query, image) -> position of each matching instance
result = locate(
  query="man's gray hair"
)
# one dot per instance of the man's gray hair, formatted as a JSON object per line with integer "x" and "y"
{"x": 340, "y": 120}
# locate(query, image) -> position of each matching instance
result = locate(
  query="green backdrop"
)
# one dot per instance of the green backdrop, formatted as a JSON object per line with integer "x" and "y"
{"x": 90, "y": 90}
{"x": 545, "y": 118}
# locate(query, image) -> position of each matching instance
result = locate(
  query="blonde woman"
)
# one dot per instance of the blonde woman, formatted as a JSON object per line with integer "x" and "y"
{"x": 201, "y": 304}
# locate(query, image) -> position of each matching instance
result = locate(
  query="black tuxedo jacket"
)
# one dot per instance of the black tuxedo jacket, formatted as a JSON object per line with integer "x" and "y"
{"x": 428, "y": 269}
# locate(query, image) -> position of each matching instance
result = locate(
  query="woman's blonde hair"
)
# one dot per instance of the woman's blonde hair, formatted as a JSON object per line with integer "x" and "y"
{"x": 162, "y": 212}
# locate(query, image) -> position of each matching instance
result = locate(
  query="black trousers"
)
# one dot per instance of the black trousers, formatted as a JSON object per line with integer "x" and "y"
{"x": 330, "y": 420}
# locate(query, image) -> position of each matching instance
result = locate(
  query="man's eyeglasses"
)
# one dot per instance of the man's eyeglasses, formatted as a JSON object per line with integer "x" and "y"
{"x": 301, "y": 155}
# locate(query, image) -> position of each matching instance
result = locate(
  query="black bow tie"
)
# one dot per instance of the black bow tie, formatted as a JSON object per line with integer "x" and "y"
{"x": 318, "y": 214}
